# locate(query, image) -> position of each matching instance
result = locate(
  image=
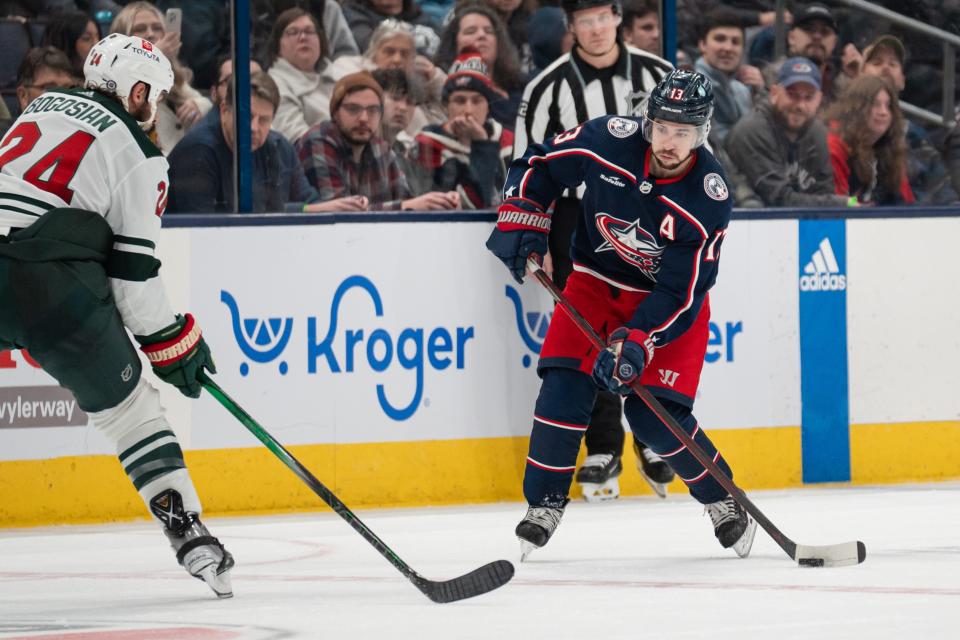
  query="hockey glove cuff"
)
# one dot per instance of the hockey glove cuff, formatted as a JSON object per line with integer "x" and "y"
{"x": 521, "y": 229}
{"x": 178, "y": 353}
{"x": 628, "y": 352}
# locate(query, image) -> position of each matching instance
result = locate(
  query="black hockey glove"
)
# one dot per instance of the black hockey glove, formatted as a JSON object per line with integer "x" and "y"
{"x": 178, "y": 354}
{"x": 521, "y": 230}
{"x": 628, "y": 352}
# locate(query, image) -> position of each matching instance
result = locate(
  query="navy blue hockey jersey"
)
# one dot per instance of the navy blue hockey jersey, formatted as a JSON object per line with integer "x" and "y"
{"x": 636, "y": 232}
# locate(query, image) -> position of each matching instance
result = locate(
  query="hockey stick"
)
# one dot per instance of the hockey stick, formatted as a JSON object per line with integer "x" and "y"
{"x": 836, "y": 555}
{"x": 481, "y": 580}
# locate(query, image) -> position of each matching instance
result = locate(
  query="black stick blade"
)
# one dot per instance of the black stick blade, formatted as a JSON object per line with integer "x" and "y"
{"x": 479, "y": 581}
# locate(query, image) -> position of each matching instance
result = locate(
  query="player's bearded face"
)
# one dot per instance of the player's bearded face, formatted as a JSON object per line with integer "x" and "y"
{"x": 144, "y": 112}
{"x": 672, "y": 143}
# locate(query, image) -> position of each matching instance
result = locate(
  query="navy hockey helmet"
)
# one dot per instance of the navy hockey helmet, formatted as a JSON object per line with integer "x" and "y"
{"x": 683, "y": 97}
{"x": 569, "y": 6}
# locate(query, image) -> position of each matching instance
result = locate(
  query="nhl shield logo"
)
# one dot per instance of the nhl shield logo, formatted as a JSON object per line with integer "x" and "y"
{"x": 715, "y": 187}
{"x": 621, "y": 127}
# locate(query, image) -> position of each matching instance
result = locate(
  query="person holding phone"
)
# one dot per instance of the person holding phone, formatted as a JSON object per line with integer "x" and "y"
{"x": 184, "y": 106}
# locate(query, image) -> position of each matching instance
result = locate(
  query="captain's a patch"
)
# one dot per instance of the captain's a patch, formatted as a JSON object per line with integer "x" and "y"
{"x": 715, "y": 187}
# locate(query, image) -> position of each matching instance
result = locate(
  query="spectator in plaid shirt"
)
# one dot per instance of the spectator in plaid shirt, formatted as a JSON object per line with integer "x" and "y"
{"x": 345, "y": 157}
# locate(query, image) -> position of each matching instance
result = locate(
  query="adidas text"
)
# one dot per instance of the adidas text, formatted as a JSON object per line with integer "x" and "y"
{"x": 823, "y": 282}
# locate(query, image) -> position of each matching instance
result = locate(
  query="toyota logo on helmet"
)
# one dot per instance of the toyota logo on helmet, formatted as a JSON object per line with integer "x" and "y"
{"x": 118, "y": 62}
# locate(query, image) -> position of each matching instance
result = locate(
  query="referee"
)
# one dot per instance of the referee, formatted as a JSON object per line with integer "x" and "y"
{"x": 600, "y": 76}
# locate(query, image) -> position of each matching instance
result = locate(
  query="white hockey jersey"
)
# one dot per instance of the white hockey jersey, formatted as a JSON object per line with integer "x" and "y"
{"x": 77, "y": 148}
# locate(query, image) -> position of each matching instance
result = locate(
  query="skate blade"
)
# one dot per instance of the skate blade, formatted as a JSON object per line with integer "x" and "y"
{"x": 219, "y": 583}
{"x": 745, "y": 543}
{"x": 659, "y": 488}
{"x": 592, "y": 492}
{"x": 526, "y": 548}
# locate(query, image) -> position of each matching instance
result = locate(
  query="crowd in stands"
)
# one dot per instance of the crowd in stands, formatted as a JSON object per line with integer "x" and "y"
{"x": 411, "y": 104}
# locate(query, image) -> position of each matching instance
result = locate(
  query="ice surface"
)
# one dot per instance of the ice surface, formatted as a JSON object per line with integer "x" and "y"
{"x": 634, "y": 568}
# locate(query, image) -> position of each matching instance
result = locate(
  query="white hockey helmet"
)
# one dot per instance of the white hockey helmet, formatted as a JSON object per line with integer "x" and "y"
{"x": 118, "y": 62}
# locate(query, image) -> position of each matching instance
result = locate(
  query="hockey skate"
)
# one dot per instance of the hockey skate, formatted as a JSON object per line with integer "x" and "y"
{"x": 652, "y": 468}
{"x": 197, "y": 551}
{"x": 536, "y": 528}
{"x": 732, "y": 525}
{"x": 598, "y": 477}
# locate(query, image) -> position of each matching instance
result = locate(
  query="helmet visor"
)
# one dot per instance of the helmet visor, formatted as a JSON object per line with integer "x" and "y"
{"x": 695, "y": 135}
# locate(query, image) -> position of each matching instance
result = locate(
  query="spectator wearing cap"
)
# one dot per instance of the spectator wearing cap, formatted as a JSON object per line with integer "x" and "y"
{"x": 778, "y": 153}
{"x": 813, "y": 35}
{"x": 886, "y": 57}
{"x": 867, "y": 143}
{"x": 469, "y": 152}
{"x": 721, "y": 54}
{"x": 345, "y": 157}
{"x": 201, "y": 165}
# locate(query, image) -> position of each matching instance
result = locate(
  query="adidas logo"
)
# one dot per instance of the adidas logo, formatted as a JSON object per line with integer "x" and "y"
{"x": 822, "y": 273}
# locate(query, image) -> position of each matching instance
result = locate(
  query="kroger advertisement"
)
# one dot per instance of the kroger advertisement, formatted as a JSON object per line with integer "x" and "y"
{"x": 382, "y": 332}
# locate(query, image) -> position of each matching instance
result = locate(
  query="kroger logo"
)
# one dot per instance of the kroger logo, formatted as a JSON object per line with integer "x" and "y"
{"x": 342, "y": 350}
{"x": 532, "y": 325}
{"x": 260, "y": 340}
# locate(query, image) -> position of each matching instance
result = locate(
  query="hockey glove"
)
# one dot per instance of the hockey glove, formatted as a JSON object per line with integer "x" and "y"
{"x": 519, "y": 232}
{"x": 178, "y": 354}
{"x": 622, "y": 362}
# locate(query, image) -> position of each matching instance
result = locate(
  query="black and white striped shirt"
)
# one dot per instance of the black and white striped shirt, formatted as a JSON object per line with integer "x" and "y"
{"x": 570, "y": 92}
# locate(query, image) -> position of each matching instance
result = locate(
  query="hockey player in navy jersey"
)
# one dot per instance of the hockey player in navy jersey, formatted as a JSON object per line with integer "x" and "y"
{"x": 645, "y": 254}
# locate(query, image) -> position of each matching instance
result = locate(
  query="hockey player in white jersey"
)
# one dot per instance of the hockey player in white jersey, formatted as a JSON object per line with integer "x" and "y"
{"x": 82, "y": 187}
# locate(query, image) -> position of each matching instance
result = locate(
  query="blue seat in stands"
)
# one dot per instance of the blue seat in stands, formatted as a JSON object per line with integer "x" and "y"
{"x": 37, "y": 28}
{"x": 16, "y": 42}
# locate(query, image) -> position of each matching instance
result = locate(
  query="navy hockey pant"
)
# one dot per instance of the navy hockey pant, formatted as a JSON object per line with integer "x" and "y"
{"x": 649, "y": 429}
{"x": 561, "y": 416}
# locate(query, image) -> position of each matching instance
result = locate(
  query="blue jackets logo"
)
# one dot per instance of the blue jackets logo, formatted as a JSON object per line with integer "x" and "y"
{"x": 634, "y": 244}
{"x": 342, "y": 350}
{"x": 531, "y": 325}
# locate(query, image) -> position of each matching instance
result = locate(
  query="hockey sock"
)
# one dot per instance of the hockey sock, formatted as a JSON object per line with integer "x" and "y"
{"x": 605, "y": 433}
{"x": 147, "y": 447}
{"x": 652, "y": 432}
{"x": 560, "y": 418}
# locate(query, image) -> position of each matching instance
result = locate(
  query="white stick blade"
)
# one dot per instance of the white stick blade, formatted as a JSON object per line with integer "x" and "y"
{"x": 835, "y": 555}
